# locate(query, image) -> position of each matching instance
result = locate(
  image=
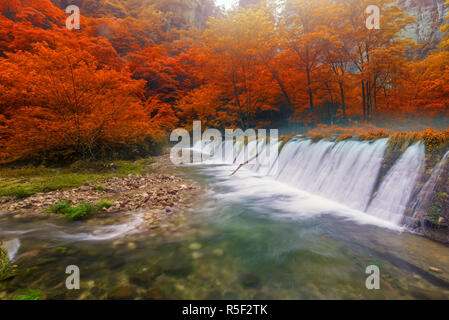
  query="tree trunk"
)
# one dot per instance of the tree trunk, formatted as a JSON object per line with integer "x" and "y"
{"x": 342, "y": 95}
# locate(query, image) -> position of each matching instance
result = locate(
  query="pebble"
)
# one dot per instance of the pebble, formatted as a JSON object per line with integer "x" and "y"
{"x": 195, "y": 246}
{"x": 437, "y": 270}
{"x": 196, "y": 255}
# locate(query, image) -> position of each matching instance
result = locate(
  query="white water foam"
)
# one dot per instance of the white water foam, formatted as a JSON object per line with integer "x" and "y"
{"x": 344, "y": 173}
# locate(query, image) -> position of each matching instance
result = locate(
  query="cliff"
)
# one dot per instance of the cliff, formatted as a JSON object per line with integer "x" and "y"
{"x": 431, "y": 17}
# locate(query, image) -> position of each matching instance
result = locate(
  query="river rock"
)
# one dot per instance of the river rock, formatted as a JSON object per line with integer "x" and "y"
{"x": 154, "y": 294}
{"x": 250, "y": 281}
{"x": 437, "y": 270}
{"x": 120, "y": 293}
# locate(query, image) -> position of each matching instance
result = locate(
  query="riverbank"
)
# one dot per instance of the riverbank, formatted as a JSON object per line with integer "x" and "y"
{"x": 152, "y": 187}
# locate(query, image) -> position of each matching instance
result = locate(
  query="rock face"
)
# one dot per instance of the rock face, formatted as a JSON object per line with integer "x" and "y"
{"x": 431, "y": 17}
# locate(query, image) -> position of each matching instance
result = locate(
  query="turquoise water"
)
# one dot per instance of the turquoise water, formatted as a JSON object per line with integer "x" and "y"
{"x": 247, "y": 237}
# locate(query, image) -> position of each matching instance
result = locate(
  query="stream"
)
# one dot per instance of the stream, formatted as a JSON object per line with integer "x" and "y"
{"x": 248, "y": 237}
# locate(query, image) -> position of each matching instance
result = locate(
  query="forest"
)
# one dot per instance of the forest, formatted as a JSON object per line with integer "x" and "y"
{"x": 350, "y": 201}
{"x": 138, "y": 69}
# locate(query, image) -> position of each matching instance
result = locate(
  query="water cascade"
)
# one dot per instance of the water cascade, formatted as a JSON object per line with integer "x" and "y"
{"x": 346, "y": 172}
{"x": 393, "y": 195}
{"x": 423, "y": 200}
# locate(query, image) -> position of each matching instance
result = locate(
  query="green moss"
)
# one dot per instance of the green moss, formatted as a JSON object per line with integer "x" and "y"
{"x": 7, "y": 269}
{"x": 30, "y": 294}
{"x": 24, "y": 182}
{"x": 437, "y": 207}
{"x": 442, "y": 196}
{"x": 82, "y": 210}
{"x": 101, "y": 188}
{"x": 62, "y": 249}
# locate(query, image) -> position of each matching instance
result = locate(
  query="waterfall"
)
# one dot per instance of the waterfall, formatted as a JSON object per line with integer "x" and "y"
{"x": 346, "y": 172}
{"x": 390, "y": 201}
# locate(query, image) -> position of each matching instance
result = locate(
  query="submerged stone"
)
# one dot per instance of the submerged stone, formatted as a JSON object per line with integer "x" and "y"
{"x": 250, "y": 281}
{"x": 120, "y": 293}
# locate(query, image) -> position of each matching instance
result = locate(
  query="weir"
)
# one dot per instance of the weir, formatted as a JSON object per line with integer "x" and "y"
{"x": 346, "y": 172}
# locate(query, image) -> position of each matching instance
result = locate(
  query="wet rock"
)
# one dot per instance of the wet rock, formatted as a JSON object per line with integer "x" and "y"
{"x": 196, "y": 255}
{"x": 131, "y": 245}
{"x": 250, "y": 281}
{"x": 263, "y": 296}
{"x": 231, "y": 296}
{"x": 181, "y": 268}
{"x": 28, "y": 254}
{"x": 195, "y": 246}
{"x": 434, "y": 269}
{"x": 154, "y": 294}
{"x": 214, "y": 295}
{"x": 146, "y": 276}
{"x": 120, "y": 293}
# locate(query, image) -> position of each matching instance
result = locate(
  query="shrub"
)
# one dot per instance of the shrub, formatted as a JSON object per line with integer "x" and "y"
{"x": 434, "y": 140}
{"x": 400, "y": 141}
{"x": 344, "y": 137}
{"x": 317, "y": 137}
{"x": 374, "y": 135}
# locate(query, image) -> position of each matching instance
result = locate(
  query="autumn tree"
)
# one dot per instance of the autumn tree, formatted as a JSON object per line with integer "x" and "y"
{"x": 65, "y": 106}
{"x": 364, "y": 42}
{"x": 231, "y": 63}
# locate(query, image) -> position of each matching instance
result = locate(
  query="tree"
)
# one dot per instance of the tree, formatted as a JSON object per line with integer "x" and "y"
{"x": 231, "y": 62}
{"x": 62, "y": 104}
{"x": 364, "y": 42}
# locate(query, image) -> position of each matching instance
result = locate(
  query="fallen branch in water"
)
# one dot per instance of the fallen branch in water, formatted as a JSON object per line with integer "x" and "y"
{"x": 244, "y": 164}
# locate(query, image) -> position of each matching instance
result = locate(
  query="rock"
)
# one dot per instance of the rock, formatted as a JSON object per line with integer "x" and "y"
{"x": 250, "y": 281}
{"x": 120, "y": 293}
{"x": 117, "y": 243}
{"x": 154, "y": 294}
{"x": 195, "y": 246}
{"x": 437, "y": 270}
{"x": 28, "y": 254}
{"x": 196, "y": 255}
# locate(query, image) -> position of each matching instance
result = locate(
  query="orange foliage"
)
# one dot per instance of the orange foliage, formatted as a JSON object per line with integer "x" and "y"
{"x": 128, "y": 76}
{"x": 63, "y": 102}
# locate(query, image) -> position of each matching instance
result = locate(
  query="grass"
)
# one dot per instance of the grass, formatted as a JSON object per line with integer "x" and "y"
{"x": 24, "y": 182}
{"x": 7, "y": 269}
{"x": 84, "y": 209}
{"x": 30, "y": 294}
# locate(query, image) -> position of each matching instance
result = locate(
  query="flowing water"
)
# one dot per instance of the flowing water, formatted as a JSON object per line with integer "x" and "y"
{"x": 273, "y": 231}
